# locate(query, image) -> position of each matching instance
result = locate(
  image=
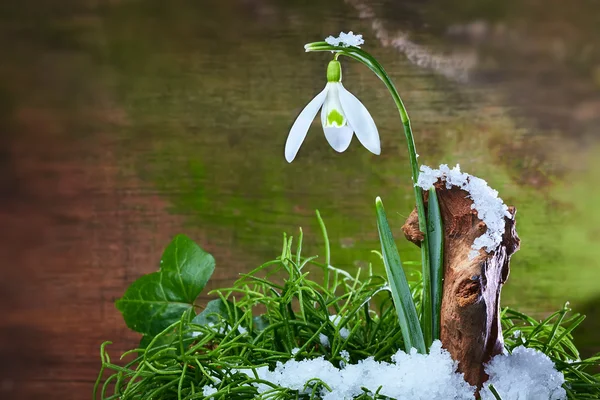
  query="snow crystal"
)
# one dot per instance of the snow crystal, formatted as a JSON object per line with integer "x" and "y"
{"x": 524, "y": 374}
{"x": 222, "y": 329}
{"x": 490, "y": 208}
{"x": 335, "y": 319}
{"x": 344, "y": 333}
{"x": 345, "y": 40}
{"x": 295, "y": 351}
{"x": 345, "y": 357}
{"x": 208, "y": 390}
{"x": 324, "y": 340}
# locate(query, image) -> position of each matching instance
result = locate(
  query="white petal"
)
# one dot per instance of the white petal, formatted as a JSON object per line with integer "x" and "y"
{"x": 332, "y": 103}
{"x": 339, "y": 138}
{"x": 300, "y": 128}
{"x": 360, "y": 121}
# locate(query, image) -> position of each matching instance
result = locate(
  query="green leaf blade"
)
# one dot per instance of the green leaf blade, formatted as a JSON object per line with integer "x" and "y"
{"x": 401, "y": 294}
{"x": 156, "y": 300}
{"x": 435, "y": 233}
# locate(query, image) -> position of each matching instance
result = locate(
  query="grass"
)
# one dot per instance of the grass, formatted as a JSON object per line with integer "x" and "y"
{"x": 277, "y": 309}
{"x": 275, "y": 315}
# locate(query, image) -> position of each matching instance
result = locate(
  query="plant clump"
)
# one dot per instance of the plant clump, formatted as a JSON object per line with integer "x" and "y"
{"x": 263, "y": 338}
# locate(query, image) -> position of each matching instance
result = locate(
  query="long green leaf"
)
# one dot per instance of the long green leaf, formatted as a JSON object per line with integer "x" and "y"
{"x": 435, "y": 232}
{"x": 405, "y": 307}
{"x": 494, "y": 392}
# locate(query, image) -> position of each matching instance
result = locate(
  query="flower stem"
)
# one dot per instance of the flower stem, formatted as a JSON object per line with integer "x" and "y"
{"x": 430, "y": 313}
{"x": 427, "y": 308}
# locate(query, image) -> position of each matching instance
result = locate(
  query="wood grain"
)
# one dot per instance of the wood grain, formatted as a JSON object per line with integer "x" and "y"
{"x": 75, "y": 232}
{"x": 470, "y": 309}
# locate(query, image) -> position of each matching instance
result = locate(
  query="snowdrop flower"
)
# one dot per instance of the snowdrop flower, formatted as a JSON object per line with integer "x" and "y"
{"x": 342, "y": 115}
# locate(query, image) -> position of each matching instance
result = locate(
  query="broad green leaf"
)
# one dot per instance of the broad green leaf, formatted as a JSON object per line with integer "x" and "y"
{"x": 145, "y": 341}
{"x": 215, "y": 311}
{"x": 403, "y": 301}
{"x": 155, "y": 301}
{"x": 435, "y": 234}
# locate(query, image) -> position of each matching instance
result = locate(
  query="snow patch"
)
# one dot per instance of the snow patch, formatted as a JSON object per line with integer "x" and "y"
{"x": 345, "y": 40}
{"x": 335, "y": 320}
{"x": 490, "y": 208}
{"x": 208, "y": 390}
{"x": 524, "y": 374}
{"x": 411, "y": 376}
{"x": 324, "y": 340}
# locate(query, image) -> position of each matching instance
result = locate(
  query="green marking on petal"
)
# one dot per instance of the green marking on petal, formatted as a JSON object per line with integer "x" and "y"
{"x": 335, "y": 118}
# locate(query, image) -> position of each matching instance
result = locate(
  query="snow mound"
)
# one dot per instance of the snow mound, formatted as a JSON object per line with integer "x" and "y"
{"x": 490, "y": 208}
{"x": 409, "y": 376}
{"x": 525, "y": 374}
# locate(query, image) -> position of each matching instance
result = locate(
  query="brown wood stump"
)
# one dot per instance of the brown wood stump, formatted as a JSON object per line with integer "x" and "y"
{"x": 470, "y": 314}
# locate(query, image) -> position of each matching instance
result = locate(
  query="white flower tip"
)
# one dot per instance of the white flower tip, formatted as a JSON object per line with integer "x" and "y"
{"x": 302, "y": 124}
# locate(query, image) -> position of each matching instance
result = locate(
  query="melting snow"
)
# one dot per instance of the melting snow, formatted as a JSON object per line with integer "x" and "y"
{"x": 524, "y": 374}
{"x": 409, "y": 376}
{"x": 345, "y": 40}
{"x": 490, "y": 208}
{"x": 335, "y": 320}
{"x": 324, "y": 340}
{"x": 208, "y": 390}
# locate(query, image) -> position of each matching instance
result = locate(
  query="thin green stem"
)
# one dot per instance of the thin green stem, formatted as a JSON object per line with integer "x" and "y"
{"x": 327, "y": 249}
{"x": 428, "y": 313}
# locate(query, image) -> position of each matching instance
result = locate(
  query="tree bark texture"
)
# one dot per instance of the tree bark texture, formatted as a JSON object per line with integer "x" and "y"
{"x": 470, "y": 311}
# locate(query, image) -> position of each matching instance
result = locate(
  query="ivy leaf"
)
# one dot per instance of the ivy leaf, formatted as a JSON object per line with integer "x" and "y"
{"x": 155, "y": 301}
{"x": 213, "y": 313}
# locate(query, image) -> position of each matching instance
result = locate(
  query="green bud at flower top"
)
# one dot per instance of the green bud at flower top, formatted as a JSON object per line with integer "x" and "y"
{"x": 334, "y": 71}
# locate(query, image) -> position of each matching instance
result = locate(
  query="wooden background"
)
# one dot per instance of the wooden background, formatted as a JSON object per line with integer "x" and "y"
{"x": 74, "y": 233}
{"x": 76, "y": 230}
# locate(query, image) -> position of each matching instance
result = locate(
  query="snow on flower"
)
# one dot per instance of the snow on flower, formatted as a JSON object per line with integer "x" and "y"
{"x": 342, "y": 116}
{"x": 345, "y": 40}
{"x": 490, "y": 208}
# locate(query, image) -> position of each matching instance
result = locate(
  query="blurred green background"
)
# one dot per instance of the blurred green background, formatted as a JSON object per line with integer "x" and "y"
{"x": 124, "y": 122}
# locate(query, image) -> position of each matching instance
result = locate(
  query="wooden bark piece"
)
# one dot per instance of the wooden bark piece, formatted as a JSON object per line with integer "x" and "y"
{"x": 470, "y": 314}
